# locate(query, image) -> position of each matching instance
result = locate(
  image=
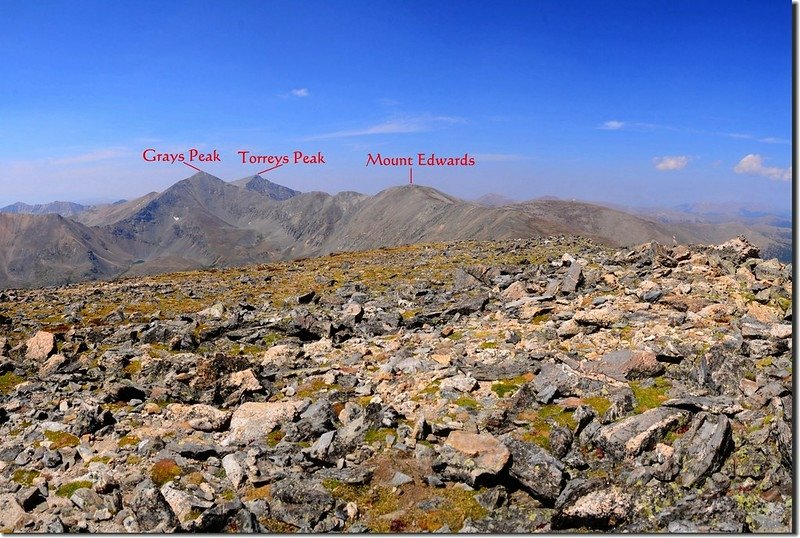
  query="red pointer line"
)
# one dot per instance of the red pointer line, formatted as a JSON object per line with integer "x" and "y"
{"x": 273, "y": 168}
{"x": 410, "y": 176}
{"x": 189, "y": 165}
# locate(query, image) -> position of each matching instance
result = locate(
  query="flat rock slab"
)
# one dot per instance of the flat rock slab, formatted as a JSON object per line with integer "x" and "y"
{"x": 200, "y": 417}
{"x": 461, "y": 383}
{"x": 712, "y": 404}
{"x": 600, "y": 317}
{"x": 254, "y": 420}
{"x": 487, "y": 451}
{"x": 633, "y": 435}
{"x": 40, "y": 346}
{"x": 627, "y": 364}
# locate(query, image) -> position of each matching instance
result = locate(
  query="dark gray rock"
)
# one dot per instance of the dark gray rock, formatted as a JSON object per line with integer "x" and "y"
{"x": 703, "y": 449}
{"x": 572, "y": 279}
{"x": 245, "y": 521}
{"x": 535, "y": 469}
{"x": 300, "y": 502}
{"x": 356, "y": 475}
{"x": 469, "y": 305}
{"x": 31, "y": 497}
{"x": 91, "y": 418}
{"x": 151, "y": 510}
{"x": 492, "y": 498}
{"x": 560, "y": 440}
{"x": 124, "y": 392}
{"x": 307, "y": 297}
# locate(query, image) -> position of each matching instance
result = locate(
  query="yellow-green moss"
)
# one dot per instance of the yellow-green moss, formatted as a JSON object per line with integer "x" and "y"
{"x": 271, "y": 338}
{"x": 652, "y": 396}
{"x": 61, "y": 439}
{"x": 599, "y": 403}
{"x": 467, "y": 403}
{"x": 432, "y": 388}
{"x": 8, "y": 381}
{"x": 68, "y": 489}
{"x": 557, "y": 414}
{"x": 502, "y": 388}
{"x": 24, "y": 425}
{"x": 133, "y": 368}
{"x": 128, "y": 440}
{"x": 276, "y": 526}
{"x": 380, "y": 434}
{"x": 540, "y": 318}
{"x": 488, "y": 345}
{"x": 764, "y": 363}
{"x": 376, "y": 502}
{"x": 25, "y": 477}
{"x": 310, "y": 388}
{"x": 192, "y": 515}
{"x": 538, "y": 434}
{"x": 196, "y": 478}
{"x": 274, "y": 437}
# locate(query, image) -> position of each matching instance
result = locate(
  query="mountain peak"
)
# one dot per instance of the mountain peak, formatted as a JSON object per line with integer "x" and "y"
{"x": 257, "y": 183}
{"x": 202, "y": 177}
{"x": 417, "y": 191}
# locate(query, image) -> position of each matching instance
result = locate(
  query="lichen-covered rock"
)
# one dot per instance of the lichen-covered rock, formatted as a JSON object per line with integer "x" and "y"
{"x": 629, "y": 437}
{"x": 535, "y": 469}
{"x": 593, "y": 505}
{"x": 704, "y": 447}
{"x": 302, "y": 503}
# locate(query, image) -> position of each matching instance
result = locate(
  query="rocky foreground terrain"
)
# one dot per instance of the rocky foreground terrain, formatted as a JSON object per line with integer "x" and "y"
{"x": 516, "y": 386}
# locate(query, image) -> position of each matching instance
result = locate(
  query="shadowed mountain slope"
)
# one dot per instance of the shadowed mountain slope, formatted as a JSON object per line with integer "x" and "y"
{"x": 264, "y": 186}
{"x": 52, "y": 250}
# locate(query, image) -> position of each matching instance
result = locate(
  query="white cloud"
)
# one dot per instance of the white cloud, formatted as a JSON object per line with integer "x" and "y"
{"x": 774, "y": 140}
{"x": 765, "y": 140}
{"x": 753, "y": 164}
{"x": 410, "y": 124}
{"x": 675, "y": 162}
{"x": 300, "y": 92}
{"x": 613, "y": 125}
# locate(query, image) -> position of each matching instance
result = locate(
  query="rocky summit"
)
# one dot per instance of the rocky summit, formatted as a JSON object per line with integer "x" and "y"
{"x": 511, "y": 386}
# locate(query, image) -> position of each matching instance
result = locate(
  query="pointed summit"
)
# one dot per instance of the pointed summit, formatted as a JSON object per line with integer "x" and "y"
{"x": 261, "y": 185}
{"x": 201, "y": 178}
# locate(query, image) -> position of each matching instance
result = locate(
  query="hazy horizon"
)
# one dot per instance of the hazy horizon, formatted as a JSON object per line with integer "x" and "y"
{"x": 631, "y": 103}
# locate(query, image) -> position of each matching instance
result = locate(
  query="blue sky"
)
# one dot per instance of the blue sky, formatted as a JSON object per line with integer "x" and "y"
{"x": 634, "y": 102}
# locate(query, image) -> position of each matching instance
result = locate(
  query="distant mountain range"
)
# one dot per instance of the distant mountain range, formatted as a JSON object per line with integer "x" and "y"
{"x": 203, "y": 222}
{"x": 65, "y": 209}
